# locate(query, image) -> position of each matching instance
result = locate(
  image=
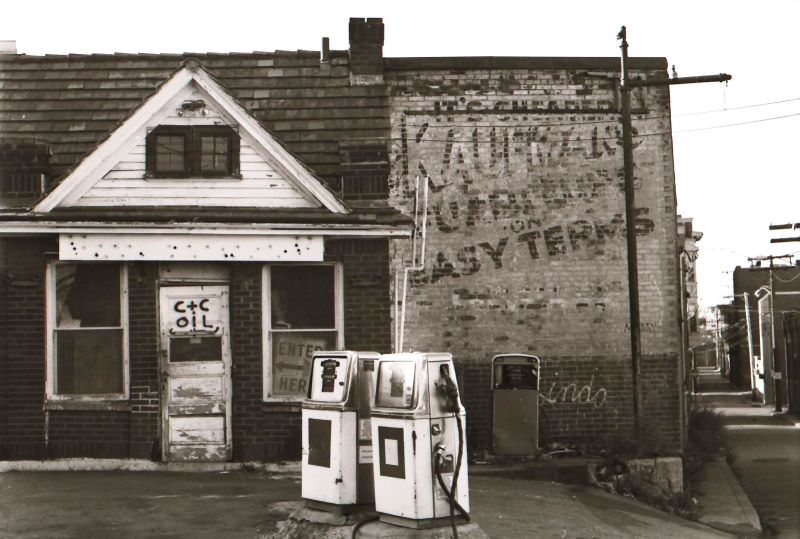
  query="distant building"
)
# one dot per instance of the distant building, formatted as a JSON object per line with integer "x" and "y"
{"x": 751, "y": 294}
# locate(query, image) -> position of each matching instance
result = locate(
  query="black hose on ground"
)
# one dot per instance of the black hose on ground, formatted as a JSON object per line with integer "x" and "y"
{"x": 361, "y": 524}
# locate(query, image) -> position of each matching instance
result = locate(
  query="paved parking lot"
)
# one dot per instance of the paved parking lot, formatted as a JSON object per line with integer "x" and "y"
{"x": 239, "y": 505}
{"x": 59, "y": 505}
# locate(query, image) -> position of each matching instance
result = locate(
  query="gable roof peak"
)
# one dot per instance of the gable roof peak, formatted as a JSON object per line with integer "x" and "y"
{"x": 191, "y": 71}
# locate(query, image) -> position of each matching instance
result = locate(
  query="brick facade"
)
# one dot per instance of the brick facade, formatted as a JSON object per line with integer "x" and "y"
{"x": 261, "y": 431}
{"x": 526, "y": 233}
{"x": 22, "y": 365}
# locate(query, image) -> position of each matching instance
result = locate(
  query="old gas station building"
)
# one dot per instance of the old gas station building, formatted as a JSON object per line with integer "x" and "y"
{"x": 179, "y": 234}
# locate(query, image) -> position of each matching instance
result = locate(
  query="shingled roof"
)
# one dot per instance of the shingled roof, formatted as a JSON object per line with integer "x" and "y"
{"x": 72, "y": 102}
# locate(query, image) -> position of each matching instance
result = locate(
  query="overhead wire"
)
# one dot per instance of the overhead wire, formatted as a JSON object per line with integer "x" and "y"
{"x": 759, "y": 120}
{"x": 742, "y": 107}
{"x": 796, "y": 276}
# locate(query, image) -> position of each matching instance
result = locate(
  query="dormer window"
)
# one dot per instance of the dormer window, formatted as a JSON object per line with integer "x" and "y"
{"x": 182, "y": 151}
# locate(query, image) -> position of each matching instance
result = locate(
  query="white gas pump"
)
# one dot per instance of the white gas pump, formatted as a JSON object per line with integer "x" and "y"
{"x": 418, "y": 441}
{"x": 337, "y": 448}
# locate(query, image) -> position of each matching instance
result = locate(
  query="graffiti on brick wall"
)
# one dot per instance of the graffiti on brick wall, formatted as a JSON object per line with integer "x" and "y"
{"x": 572, "y": 393}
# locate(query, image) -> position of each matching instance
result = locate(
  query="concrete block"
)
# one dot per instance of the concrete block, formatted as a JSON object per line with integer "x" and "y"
{"x": 664, "y": 472}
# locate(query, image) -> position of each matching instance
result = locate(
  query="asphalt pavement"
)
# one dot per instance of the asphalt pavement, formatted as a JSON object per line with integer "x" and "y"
{"x": 241, "y": 504}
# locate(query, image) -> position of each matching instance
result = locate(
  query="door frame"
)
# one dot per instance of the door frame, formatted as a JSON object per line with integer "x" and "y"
{"x": 163, "y": 366}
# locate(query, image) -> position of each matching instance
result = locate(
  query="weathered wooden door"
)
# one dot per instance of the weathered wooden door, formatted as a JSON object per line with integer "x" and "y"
{"x": 196, "y": 365}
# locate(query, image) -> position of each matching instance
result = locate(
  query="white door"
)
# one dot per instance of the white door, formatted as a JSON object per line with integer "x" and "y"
{"x": 196, "y": 364}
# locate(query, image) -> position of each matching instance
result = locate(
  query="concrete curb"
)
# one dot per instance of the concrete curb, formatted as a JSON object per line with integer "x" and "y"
{"x": 135, "y": 465}
{"x": 724, "y": 503}
{"x": 788, "y": 418}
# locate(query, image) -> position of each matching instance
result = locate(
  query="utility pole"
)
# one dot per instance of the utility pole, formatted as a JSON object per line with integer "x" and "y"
{"x": 777, "y": 375}
{"x": 718, "y": 337}
{"x": 750, "y": 344}
{"x": 630, "y": 236}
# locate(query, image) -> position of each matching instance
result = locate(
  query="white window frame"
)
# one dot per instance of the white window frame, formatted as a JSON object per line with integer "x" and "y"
{"x": 266, "y": 322}
{"x": 50, "y": 346}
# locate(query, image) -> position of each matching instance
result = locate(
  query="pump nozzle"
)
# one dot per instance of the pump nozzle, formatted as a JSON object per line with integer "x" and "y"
{"x": 446, "y": 390}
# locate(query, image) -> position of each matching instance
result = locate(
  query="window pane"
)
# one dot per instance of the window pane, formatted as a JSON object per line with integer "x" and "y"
{"x": 87, "y": 295}
{"x": 170, "y": 153}
{"x": 88, "y": 361}
{"x": 291, "y": 360}
{"x": 302, "y": 297}
{"x": 195, "y": 349}
{"x": 214, "y": 154}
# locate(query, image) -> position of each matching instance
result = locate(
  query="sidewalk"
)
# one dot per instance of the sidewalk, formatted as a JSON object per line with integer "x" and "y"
{"x": 724, "y": 504}
{"x": 766, "y": 450}
{"x": 523, "y": 509}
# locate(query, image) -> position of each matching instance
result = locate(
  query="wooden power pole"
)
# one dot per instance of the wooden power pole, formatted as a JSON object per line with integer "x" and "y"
{"x": 630, "y": 210}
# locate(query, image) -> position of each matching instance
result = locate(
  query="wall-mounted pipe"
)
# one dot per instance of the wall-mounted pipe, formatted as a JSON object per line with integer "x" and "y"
{"x": 417, "y": 262}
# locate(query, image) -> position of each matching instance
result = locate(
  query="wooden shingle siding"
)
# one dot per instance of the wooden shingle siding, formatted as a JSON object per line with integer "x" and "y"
{"x": 72, "y": 102}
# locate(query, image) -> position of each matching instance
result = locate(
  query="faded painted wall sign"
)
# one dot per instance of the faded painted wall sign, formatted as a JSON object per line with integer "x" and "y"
{"x": 526, "y": 223}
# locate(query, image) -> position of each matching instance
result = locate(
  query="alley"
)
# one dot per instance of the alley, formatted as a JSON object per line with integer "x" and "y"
{"x": 766, "y": 452}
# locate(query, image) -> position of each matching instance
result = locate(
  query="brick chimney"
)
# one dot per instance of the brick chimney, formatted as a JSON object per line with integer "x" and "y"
{"x": 366, "y": 51}
{"x": 8, "y": 46}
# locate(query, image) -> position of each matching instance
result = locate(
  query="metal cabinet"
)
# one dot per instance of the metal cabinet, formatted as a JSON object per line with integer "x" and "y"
{"x": 515, "y": 404}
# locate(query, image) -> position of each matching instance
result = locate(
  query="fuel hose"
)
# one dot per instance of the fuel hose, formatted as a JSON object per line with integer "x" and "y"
{"x": 450, "y": 492}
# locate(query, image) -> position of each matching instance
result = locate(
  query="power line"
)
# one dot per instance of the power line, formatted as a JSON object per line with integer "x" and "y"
{"x": 797, "y": 275}
{"x": 754, "y": 105}
{"x": 740, "y": 123}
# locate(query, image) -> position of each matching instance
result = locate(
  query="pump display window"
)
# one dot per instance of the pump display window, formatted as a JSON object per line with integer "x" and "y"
{"x": 302, "y": 320}
{"x": 395, "y": 384}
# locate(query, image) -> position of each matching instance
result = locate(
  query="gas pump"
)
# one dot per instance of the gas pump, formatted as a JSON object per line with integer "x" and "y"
{"x": 337, "y": 447}
{"x": 418, "y": 440}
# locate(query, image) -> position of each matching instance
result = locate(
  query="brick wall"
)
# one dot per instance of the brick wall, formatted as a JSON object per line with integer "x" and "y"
{"x": 144, "y": 368}
{"x": 88, "y": 433}
{"x": 526, "y": 233}
{"x": 271, "y": 431}
{"x": 367, "y": 301}
{"x": 22, "y": 307}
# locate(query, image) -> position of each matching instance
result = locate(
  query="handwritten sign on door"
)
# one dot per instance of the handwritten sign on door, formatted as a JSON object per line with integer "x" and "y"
{"x": 194, "y": 315}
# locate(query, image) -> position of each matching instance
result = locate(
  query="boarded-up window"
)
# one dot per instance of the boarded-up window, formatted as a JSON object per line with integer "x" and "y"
{"x": 88, "y": 335}
{"x": 303, "y": 306}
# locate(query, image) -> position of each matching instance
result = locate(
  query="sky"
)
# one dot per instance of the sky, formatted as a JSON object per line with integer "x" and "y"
{"x": 734, "y": 181}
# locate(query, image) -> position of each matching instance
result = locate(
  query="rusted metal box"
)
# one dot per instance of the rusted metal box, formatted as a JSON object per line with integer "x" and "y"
{"x": 515, "y": 404}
